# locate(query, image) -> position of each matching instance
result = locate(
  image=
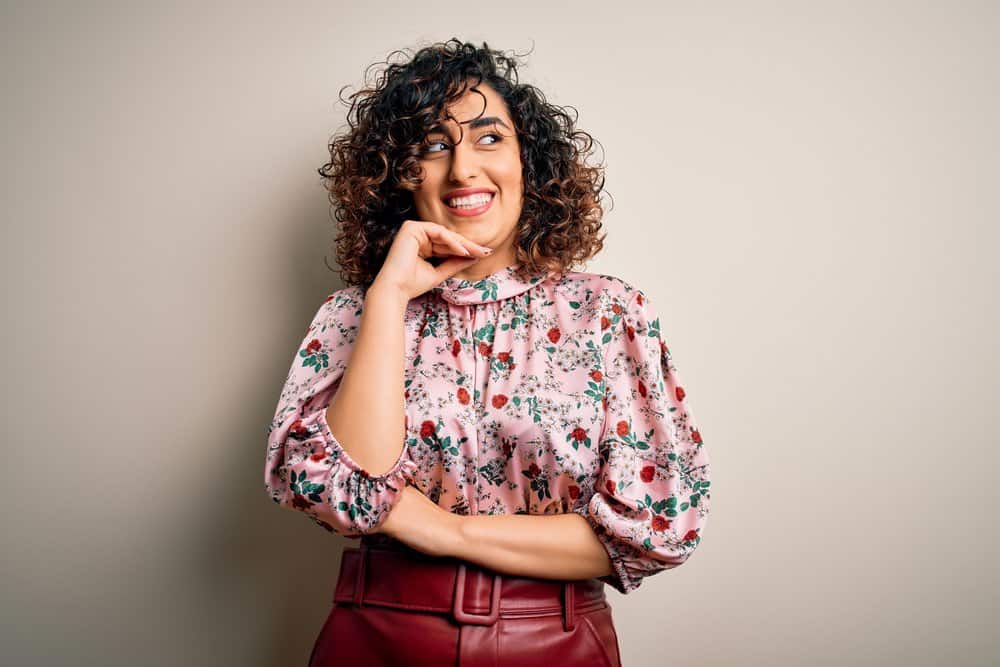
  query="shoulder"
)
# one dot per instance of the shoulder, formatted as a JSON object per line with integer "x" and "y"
{"x": 342, "y": 305}
{"x": 609, "y": 288}
{"x": 346, "y": 297}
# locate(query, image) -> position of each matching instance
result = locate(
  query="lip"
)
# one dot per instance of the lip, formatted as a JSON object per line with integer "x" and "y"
{"x": 469, "y": 212}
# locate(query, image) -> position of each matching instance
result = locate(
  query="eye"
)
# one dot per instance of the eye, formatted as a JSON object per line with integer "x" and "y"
{"x": 427, "y": 147}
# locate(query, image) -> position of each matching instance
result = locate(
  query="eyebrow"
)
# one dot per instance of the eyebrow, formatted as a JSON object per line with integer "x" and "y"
{"x": 474, "y": 124}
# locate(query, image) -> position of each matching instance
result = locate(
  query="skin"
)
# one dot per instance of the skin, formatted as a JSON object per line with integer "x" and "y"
{"x": 562, "y": 546}
{"x": 488, "y": 157}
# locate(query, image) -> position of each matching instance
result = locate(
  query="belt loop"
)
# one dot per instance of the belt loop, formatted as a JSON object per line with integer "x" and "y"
{"x": 569, "y": 606}
{"x": 458, "y": 600}
{"x": 359, "y": 580}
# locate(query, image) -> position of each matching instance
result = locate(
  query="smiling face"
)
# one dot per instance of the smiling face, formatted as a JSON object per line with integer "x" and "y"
{"x": 479, "y": 154}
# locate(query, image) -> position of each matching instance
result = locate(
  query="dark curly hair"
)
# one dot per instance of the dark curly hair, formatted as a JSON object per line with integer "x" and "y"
{"x": 375, "y": 166}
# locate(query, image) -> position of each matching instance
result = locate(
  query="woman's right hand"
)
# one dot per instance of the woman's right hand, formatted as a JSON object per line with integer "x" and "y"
{"x": 406, "y": 268}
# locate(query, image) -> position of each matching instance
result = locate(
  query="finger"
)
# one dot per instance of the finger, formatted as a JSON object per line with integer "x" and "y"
{"x": 453, "y": 265}
{"x": 442, "y": 234}
{"x": 473, "y": 247}
{"x": 446, "y": 249}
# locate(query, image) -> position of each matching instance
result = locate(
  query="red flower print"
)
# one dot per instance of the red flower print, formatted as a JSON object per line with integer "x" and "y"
{"x": 313, "y": 346}
{"x": 456, "y": 347}
{"x": 647, "y": 473}
{"x": 617, "y": 308}
{"x": 504, "y": 357}
{"x": 622, "y": 428}
{"x": 499, "y": 401}
{"x": 696, "y": 436}
{"x": 679, "y": 393}
{"x": 507, "y": 449}
{"x": 554, "y": 334}
{"x": 596, "y": 376}
{"x": 604, "y": 402}
{"x": 534, "y": 470}
{"x": 638, "y": 299}
{"x": 610, "y": 485}
{"x": 485, "y": 349}
{"x": 300, "y": 502}
{"x": 663, "y": 349}
{"x": 579, "y": 434}
{"x": 463, "y": 395}
{"x": 427, "y": 429}
{"x": 642, "y": 389}
{"x": 605, "y": 323}
{"x": 298, "y": 430}
{"x": 574, "y": 491}
{"x": 691, "y": 535}
{"x": 630, "y": 330}
{"x": 328, "y": 299}
{"x": 511, "y": 365}
{"x": 660, "y": 524}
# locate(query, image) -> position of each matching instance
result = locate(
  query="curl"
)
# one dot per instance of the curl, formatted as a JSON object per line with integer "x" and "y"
{"x": 374, "y": 166}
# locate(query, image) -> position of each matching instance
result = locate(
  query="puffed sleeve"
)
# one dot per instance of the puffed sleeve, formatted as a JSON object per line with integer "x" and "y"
{"x": 651, "y": 499}
{"x": 306, "y": 468}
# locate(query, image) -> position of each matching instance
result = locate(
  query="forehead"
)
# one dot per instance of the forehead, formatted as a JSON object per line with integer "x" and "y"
{"x": 483, "y": 101}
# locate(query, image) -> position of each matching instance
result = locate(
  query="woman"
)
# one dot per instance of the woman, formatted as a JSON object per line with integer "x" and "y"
{"x": 545, "y": 447}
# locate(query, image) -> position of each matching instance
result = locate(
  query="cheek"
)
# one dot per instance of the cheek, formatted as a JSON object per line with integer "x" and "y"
{"x": 511, "y": 174}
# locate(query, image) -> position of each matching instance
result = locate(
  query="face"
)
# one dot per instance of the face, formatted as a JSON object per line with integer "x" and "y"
{"x": 482, "y": 155}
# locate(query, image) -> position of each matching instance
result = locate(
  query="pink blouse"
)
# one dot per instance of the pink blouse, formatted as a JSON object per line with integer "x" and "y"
{"x": 540, "y": 396}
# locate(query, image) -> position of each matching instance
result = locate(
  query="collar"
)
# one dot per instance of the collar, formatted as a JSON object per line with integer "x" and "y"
{"x": 501, "y": 284}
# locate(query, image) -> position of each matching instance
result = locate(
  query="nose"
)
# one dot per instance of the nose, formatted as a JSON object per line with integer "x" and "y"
{"x": 464, "y": 162}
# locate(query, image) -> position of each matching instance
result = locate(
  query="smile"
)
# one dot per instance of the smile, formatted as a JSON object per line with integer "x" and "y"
{"x": 476, "y": 204}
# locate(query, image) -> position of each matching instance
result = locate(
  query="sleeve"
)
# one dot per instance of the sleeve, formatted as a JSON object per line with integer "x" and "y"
{"x": 651, "y": 499}
{"x": 306, "y": 468}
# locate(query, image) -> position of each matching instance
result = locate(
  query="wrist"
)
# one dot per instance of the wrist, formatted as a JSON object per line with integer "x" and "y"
{"x": 385, "y": 293}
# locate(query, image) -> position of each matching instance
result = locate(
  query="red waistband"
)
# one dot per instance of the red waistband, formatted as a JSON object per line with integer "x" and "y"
{"x": 387, "y": 573}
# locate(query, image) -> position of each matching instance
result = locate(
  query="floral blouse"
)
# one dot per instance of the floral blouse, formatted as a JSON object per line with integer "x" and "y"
{"x": 540, "y": 396}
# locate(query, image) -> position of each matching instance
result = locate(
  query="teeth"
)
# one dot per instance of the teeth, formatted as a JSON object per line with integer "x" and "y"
{"x": 471, "y": 201}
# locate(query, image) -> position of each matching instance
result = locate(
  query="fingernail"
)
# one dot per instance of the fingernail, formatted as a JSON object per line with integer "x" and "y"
{"x": 466, "y": 251}
{"x": 486, "y": 250}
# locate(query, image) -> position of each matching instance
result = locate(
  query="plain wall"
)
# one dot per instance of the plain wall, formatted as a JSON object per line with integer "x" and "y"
{"x": 809, "y": 191}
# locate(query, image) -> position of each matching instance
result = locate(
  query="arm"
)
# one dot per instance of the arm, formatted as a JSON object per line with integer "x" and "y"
{"x": 306, "y": 468}
{"x": 545, "y": 546}
{"x": 372, "y": 386}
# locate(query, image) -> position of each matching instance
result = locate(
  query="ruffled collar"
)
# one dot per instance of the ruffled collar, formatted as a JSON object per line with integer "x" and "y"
{"x": 501, "y": 284}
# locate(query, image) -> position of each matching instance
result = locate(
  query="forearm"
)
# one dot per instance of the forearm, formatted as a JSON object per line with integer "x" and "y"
{"x": 544, "y": 546}
{"x": 366, "y": 414}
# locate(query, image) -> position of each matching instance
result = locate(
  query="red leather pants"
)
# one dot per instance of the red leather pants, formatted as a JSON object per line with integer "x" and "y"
{"x": 396, "y": 606}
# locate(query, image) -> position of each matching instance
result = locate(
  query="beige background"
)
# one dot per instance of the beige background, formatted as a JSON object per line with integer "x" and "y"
{"x": 808, "y": 190}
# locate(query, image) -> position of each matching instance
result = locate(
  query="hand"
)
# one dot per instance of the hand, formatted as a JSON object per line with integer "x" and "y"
{"x": 420, "y": 523}
{"x": 406, "y": 268}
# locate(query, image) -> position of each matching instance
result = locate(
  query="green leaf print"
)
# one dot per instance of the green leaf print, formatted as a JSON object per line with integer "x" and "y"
{"x": 317, "y": 361}
{"x": 653, "y": 330}
{"x": 485, "y": 333}
{"x": 595, "y": 390}
{"x": 532, "y": 402}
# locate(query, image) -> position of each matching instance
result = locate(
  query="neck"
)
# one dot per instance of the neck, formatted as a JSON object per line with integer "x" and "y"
{"x": 486, "y": 266}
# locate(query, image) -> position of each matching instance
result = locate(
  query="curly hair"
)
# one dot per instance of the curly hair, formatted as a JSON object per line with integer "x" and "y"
{"x": 375, "y": 166}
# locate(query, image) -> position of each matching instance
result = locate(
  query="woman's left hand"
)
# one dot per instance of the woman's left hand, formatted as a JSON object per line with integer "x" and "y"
{"x": 421, "y": 524}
